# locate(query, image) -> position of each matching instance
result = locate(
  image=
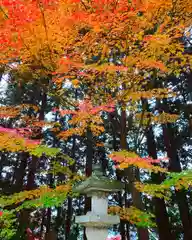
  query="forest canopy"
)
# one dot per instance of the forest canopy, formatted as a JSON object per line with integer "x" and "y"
{"x": 101, "y": 81}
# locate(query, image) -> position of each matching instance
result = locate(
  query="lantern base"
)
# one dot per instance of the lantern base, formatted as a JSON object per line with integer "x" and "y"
{"x": 96, "y": 233}
{"x": 92, "y": 220}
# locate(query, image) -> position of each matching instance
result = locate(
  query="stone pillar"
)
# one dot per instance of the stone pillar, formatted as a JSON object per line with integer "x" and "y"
{"x": 99, "y": 204}
{"x": 98, "y": 188}
{"x": 93, "y": 233}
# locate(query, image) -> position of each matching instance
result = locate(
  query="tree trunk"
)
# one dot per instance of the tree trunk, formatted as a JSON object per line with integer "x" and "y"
{"x": 127, "y": 204}
{"x": 88, "y": 170}
{"x": 23, "y": 218}
{"x": 41, "y": 234}
{"x": 33, "y": 166}
{"x": 3, "y": 161}
{"x": 48, "y": 221}
{"x": 162, "y": 218}
{"x": 21, "y": 171}
{"x": 175, "y": 166}
{"x": 115, "y": 128}
{"x": 34, "y": 161}
{"x": 133, "y": 175}
{"x": 69, "y": 199}
{"x": 122, "y": 223}
{"x": 31, "y": 175}
{"x": 51, "y": 235}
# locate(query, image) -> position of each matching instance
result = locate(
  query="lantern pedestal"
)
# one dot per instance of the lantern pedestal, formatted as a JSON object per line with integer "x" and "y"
{"x": 98, "y": 221}
{"x": 96, "y": 233}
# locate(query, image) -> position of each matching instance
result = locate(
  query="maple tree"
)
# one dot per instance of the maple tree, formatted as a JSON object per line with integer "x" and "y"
{"x": 87, "y": 117}
{"x": 119, "y": 54}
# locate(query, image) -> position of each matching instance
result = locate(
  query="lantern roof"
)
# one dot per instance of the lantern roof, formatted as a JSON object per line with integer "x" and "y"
{"x": 98, "y": 183}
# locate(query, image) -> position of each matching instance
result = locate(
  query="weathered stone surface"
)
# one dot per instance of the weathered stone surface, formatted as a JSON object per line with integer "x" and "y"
{"x": 98, "y": 221}
{"x": 96, "y": 234}
{"x": 98, "y": 184}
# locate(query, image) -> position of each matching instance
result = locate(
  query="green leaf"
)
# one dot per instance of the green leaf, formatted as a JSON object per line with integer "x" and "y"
{"x": 42, "y": 149}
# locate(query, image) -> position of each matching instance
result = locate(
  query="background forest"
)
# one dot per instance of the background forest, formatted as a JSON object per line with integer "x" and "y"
{"x": 101, "y": 81}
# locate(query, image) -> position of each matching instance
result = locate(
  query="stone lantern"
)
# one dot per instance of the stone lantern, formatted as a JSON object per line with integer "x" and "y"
{"x": 98, "y": 188}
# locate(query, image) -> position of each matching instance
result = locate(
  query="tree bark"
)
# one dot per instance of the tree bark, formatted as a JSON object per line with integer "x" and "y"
{"x": 133, "y": 175}
{"x": 69, "y": 199}
{"x": 116, "y": 127}
{"x": 21, "y": 171}
{"x": 162, "y": 218}
{"x": 175, "y": 166}
{"x": 88, "y": 170}
{"x": 33, "y": 166}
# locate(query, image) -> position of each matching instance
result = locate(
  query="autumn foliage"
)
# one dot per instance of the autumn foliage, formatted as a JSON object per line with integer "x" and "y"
{"x": 102, "y": 68}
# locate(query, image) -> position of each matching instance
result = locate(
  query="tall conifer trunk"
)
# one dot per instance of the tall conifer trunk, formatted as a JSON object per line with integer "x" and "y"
{"x": 133, "y": 175}
{"x": 162, "y": 218}
{"x": 69, "y": 199}
{"x": 88, "y": 170}
{"x": 23, "y": 218}
{"x": 34, "y": 161}
{"x": 175, "y": 166}
{"x": 161, "y": 214}
{"x": 20, "y": 172}
{"x": 115, "y": 128}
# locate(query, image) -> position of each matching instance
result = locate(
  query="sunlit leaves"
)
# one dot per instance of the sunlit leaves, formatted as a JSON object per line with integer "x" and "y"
{"x": 20, "y": 197}
{"x": 38, "y": 29}
{"x": 10, "y": 112}
{"x": 12, "y": 140}
{"x": 42, "y": 149}
{"x": 15, "y": 143}
{"x": 63, "y": 37}
{"x": 134, "y": 216}
{"x": 149, "y": 118}
{"x": 49, "y": 198}
{"x": 154, "y": 190}
{"x": 158, "y": 93}
{"x": 7, "y": 221}
{"x": 15, "y": 111}
{"x": 86, "y": 117}
{"x": 38, "y": 195}
{"x": 57, "y": 168}
{"x": 177, "y": 181}
{"x": 126, "y": 159}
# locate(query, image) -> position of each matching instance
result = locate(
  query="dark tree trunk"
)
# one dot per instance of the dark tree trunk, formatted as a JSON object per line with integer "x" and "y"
{"x": 43, "y": 106}
{"x": 51, "y": 235}
{"x": 89, "y": 158}
{"x": 133, "y": 175}
{"x": 43, "y": 221}
{"x": 33, "y": 166}
{"x": 3, "y": 161}
{"x": 116, "y": 127}
{"x": 59, "y": 219}
{"x": 34, "y": 162}
{"x": 21, "y": 171}
{"x": 23, "y": 218}
{"x": 48, "y": 220}
{"x": 127, "y": 204}
{"x": 31, "y": 175}
{"x": 68, "y": 220}
{"x": 162, "y": 218}
{"x": 88, "y": 170}
{"x": 122, "y": 223}
{"x": 69, "y": 199}
{"x": 175, "y": 166}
